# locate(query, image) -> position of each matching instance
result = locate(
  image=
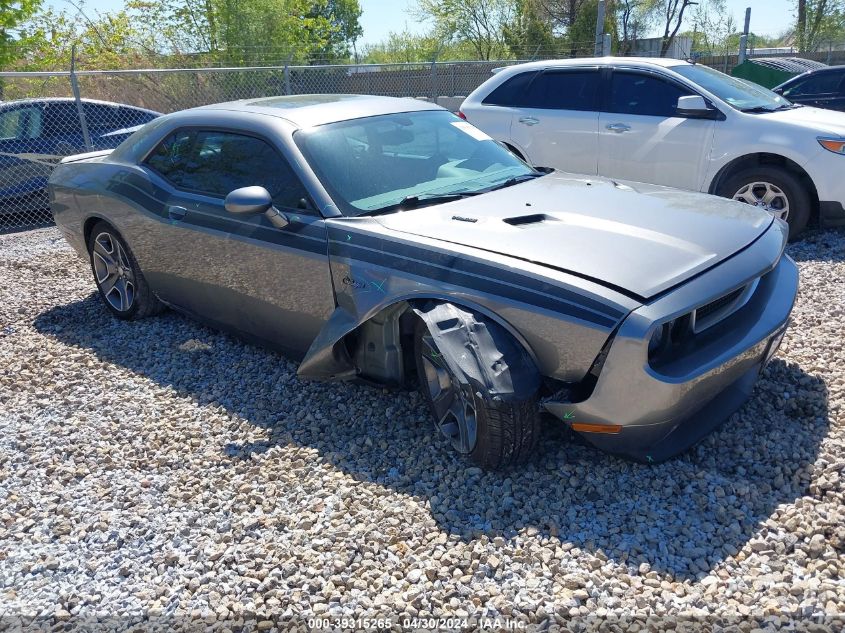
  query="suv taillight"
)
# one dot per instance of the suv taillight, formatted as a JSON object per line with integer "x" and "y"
{"x": 462, "y": 115}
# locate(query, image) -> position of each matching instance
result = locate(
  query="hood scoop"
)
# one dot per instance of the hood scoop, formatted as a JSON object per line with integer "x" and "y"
{"x": 524, "y": 220}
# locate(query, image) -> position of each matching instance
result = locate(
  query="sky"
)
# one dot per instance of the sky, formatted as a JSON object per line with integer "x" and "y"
{"x": 380, "y": 17}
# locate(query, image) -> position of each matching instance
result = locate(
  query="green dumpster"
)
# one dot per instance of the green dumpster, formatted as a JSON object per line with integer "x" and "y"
{"x": 773, "y": 71}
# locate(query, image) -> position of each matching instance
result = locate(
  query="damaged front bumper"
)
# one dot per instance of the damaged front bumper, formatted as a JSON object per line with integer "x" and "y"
{"x": 653, "y": 414}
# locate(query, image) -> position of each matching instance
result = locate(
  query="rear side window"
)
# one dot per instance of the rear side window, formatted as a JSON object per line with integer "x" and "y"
{"x": 569, "y": 90}
{"x": 635, "y": 93}
{"x": 512, "y": 92}
{"x": 215, "y": 163}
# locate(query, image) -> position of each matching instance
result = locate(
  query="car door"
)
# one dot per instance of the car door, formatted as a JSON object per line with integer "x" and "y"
{"x": 641, "y": 137}
{"x": 61, "y": 129}
{"x": 557, "y": 123}
{"x": 239, "y": 272}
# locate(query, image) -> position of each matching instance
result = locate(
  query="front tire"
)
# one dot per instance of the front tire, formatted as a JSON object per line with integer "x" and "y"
{"x": 776, "y": 190}
{"x": 492, "y": 433}
{"x": 119, "y": 279}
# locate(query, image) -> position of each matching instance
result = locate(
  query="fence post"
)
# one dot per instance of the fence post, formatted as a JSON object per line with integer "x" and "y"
{"x": 287, "y": 78}
{"x": 74, "y": 85}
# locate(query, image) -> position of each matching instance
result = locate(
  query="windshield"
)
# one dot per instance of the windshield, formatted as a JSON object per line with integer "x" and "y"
{"x": 377, "y": 163}
{"x": 742, "y": 95}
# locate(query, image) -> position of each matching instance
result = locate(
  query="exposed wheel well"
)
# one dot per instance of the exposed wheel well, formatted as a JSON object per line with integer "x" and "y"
{"x": 750, "y": 161}
{"x": 89, "y": 226}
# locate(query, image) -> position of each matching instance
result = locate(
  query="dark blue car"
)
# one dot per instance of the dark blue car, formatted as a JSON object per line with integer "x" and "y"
{"x": 36, "y": 133}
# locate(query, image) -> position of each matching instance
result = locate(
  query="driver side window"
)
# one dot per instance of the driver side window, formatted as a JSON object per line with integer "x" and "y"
{"x": 215, "y": 163}
{"x": 642, "y": 94}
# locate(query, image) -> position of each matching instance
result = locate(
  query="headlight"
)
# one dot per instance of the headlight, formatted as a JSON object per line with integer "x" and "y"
{"x": 835, "y": 145}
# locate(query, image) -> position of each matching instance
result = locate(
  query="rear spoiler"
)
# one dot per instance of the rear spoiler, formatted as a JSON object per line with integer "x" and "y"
{"x": 78, "y": 158}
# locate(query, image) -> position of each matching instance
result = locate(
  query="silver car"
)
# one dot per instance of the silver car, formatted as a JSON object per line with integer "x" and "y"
{"x": 389, "y": 241}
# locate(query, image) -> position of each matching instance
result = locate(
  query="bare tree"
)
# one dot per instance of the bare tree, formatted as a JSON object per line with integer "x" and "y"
{"x": 673, "y": 13}
{"x": 634, "y": 16}
{"x": 479, "y": 22}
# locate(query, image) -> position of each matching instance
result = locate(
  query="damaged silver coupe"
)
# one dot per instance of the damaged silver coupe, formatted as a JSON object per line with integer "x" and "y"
{"x": 387, "y": 240}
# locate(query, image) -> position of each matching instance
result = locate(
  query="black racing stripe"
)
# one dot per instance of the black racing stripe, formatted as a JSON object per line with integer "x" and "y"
{"x": 475, "y": 268}
{"x": 424, "y": 269}
{"x": 304, "y": 237}
{"x": 460, "y": 264}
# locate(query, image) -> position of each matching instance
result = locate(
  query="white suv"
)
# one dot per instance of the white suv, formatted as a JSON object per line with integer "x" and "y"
{"x": 670, "y": 122}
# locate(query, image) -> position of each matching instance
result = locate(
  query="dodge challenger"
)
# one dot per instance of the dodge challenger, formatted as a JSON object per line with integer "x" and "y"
{"x": 388, "y": 241}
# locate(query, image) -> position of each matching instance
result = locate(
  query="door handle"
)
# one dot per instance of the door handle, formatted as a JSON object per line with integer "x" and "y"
{"x": 528, "y": 120}
{"x": 618, "y": 127}
{"x": 176, "y": 213}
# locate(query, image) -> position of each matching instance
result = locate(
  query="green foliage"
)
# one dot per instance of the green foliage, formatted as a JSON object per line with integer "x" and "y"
{"x": 528, "y": 34}
{"x": 824, "y": 21}
{"x": 582, "y": 34}
{"x": 481, "y": 23}
{"x": 407, "y": 47}
{"x": 12, "y": 14}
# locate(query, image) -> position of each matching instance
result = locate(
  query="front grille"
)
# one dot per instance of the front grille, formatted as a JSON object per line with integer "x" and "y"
{"x": 714, "y": 306}
{"x": 712, "y": 313}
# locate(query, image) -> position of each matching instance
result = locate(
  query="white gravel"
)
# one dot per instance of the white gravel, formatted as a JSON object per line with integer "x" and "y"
{"x": 160, "y": 468}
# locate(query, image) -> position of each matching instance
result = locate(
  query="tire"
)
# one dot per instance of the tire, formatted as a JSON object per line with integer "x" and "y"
{"x": 119, "y": 279}
{"x": 506, "y": 432}
{"x": 783, "y": 186}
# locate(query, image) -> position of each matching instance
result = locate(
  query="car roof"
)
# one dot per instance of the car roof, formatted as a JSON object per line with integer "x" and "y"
{"x": 318, "y": 109}
{"x": 17, "y": 102}
{"x": 665, "y": 62}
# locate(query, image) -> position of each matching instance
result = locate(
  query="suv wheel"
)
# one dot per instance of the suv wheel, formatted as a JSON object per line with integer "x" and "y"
{"x": 775, "y": 190}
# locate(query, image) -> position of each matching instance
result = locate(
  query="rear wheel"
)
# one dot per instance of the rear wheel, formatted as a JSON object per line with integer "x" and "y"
{"x": 119, "y": 279}
{"x": 491, "y": 432}
{"x": 776, "y": 190}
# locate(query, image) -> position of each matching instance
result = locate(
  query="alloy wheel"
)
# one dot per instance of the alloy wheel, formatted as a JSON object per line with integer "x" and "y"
{"x": 766, "y": 196}
{"x": 113, "y": 272}
{"x": 453, "y": 402}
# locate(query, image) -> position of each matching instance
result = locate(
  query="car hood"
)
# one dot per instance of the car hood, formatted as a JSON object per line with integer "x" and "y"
{"x": 641, "y": 239}
{"x": 815, "y": 119}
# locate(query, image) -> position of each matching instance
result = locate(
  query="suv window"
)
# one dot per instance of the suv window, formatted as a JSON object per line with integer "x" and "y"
{"x": 61, "y": 119}
{"x": 215, "y": 163}
{"x": 823, "y": 83}
{"x": 636, "y": 93}
{"x": 20, "y": 123}
{"x": 566, "y": 90}
{"x": 512, "y": 92}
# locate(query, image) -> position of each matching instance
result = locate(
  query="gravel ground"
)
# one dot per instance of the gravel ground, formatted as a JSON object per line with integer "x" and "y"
{"x": 160, "y": 468}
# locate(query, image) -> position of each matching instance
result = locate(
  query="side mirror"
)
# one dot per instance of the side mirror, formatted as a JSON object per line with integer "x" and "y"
{"x": 248, "y": 200}
{"x": 695, "y": 107}
{"x": 777, "y": 90}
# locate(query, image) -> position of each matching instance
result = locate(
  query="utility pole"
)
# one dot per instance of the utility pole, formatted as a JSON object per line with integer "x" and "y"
{"x": 743, "y": 40}
{"x": 600, "y": 29}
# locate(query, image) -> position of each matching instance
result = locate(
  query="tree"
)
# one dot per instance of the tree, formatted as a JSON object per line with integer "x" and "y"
{"x": 635, "y": 16}
{"x": 480, "y": 22}
{"x": 582, "y": 33}
{"x": 12, "y": 14}
{"x": 528, "y": 34}
{"x": 819, "y": 21}
{"x": 715, "y": 27}
{"x": 672, "y": 13}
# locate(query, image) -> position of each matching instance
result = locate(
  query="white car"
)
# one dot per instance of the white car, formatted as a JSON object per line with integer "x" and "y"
{"x": 670, "y": 122}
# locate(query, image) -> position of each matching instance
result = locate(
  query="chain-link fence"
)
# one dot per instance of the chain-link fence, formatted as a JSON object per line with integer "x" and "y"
{"x": 48, "y": 115}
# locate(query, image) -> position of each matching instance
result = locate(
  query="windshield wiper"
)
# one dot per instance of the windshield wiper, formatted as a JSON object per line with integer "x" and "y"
{"x": 421, "y": 200}
{"x": 515, "y": 181}
{"x": 763, "y": 110}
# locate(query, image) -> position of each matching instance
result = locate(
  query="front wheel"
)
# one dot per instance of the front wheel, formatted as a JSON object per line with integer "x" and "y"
{"x": 119, "y": 279}
{"x": 493, "y": 433}
{"x": 775, "y": 190}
